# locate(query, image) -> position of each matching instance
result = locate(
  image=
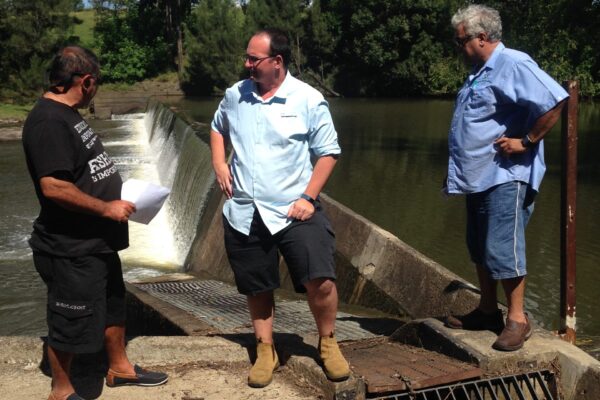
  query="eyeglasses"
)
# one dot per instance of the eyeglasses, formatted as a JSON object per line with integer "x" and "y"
{"x": 460, "y": 42}
{"x": 254, "y": 60}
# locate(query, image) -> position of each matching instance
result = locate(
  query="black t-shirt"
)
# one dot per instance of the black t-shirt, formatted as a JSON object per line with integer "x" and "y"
{"x": 58, "y": 142}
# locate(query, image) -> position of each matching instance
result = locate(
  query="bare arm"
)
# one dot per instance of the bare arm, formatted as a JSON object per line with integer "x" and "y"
{"x": 303, "y": 209}
{"x": 218, "y": 146}
{"x": 68, "y": 196}
{"x": 541, "y": 127}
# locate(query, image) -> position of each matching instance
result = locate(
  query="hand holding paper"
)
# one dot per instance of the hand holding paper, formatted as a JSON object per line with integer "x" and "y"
{"x": 147, "y": 197}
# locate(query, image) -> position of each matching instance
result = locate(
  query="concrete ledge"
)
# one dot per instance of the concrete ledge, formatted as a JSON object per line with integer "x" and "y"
{"x": 578, "y": 372}
{"x": 418, "y": 285}
{"x": 147, "y": 315}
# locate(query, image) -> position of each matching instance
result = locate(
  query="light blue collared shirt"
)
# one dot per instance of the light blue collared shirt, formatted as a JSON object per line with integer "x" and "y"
{"x": 503, "y": 98}
{"x": 273, "y": 141}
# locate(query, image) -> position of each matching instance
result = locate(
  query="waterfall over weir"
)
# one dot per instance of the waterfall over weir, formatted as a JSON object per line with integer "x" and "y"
{"x": 183, "y": 161}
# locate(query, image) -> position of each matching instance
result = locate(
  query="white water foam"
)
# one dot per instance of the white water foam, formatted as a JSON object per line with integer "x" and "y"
{"x": 150, "y": 246}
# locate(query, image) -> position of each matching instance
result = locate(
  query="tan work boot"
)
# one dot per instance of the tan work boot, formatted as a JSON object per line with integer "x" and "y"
{"x": 261, "y": 373}
{"x": 335, "y": 365}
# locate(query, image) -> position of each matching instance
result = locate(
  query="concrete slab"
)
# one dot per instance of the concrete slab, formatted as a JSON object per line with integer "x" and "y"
{"x": 542, "y": 351}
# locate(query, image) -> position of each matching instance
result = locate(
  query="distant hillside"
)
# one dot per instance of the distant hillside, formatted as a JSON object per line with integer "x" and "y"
{"x": 85, "y": 30}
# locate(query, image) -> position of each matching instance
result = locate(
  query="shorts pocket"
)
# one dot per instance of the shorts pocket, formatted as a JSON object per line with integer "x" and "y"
{"x": 70, "y": 320}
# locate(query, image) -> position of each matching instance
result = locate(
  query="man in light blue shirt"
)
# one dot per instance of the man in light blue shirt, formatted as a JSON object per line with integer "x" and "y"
{"x": 503, "y": 110}
{"x": 277, "y": 125}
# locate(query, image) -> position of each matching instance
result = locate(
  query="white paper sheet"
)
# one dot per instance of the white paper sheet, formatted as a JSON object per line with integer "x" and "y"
{"x": 147, "y": 197}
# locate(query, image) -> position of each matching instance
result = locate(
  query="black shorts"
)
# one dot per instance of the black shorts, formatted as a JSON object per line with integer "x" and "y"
{"x": 308, "y": 248}
{"x": 85, "y": 295}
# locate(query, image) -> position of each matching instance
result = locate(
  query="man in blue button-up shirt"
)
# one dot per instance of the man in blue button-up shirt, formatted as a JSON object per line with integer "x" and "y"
{"x": 503, "y": 110}
{"x": 277, "y": 125}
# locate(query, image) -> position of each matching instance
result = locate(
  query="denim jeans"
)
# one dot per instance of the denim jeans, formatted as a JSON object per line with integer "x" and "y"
{"x": 496, "y": 221}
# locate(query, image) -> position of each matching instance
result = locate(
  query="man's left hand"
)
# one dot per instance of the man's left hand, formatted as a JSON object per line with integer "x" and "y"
{"x": 508, "y": 146}
{"x": 301, "y": 210}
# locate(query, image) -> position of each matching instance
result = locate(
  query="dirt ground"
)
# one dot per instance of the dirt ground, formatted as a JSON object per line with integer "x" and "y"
{"x": 199, "y": 369}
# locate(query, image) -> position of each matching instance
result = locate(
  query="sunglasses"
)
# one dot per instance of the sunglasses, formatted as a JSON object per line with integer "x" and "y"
{"x": 460, "y": 42}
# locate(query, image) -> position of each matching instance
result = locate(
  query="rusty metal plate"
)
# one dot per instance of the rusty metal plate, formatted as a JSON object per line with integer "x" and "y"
{"x": 389, "y": 366}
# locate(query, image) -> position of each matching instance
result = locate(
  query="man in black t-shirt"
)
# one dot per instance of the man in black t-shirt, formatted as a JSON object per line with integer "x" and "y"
{"x": 81, "y": 226}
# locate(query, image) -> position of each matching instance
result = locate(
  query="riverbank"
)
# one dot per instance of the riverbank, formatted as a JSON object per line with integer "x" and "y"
{"x": 10, "y": 130}
{"x": 113, "y": 98}
{"x": 11, "y": 120}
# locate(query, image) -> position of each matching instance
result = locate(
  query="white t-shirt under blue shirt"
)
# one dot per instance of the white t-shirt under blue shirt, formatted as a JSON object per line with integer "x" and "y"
{"x": 273, "y": 141}
{"x": 505, "y": 97}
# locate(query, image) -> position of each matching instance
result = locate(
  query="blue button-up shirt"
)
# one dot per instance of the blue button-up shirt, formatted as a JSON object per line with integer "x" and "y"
{"x": 273, "y": 141}
{"x": 503, "y": 98}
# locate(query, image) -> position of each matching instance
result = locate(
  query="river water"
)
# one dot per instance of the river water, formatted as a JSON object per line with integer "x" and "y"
{"x": 393, "y": 162}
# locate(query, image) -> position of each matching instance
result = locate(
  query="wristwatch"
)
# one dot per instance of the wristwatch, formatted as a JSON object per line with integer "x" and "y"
{"x": 307, "y": 198}
{"x": 526, "y": 141}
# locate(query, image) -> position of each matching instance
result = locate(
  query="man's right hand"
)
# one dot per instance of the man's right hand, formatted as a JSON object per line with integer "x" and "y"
{"x": 224, "y": 179}
{"x": 119, "y": 210}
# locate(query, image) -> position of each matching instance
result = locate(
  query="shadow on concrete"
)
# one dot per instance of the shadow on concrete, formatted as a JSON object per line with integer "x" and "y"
{"x": 88, "y": 371}
{"x": 286, "y": 345}
{"x": 377, "y": 326}
{"x": 457, "y": 285}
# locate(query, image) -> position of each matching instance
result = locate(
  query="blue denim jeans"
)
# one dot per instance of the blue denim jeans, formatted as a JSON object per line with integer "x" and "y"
{"x": 496, "y": 221}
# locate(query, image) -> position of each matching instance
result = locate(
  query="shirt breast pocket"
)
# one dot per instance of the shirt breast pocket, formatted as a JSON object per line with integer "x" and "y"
{"x": 291, "y": 129}
{"x": 480, "y": 102}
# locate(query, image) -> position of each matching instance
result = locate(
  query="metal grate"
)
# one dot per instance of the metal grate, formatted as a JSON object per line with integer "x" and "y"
{"x": 387, "y": 366}
{"x": 220, "y": 305}
{"x": 538, "y": 385}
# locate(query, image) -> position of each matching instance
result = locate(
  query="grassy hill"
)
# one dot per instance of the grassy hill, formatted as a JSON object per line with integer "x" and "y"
{"x": 85, "y": 30}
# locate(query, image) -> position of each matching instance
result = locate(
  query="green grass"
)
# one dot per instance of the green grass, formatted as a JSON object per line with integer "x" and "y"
{"x": 14, "y": 112}
{"x": 165, "y": 77}
{"x": 85, "y": 30}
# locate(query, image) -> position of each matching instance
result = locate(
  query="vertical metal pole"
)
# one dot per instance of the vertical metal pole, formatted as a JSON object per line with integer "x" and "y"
{"x": 568, "y": 212}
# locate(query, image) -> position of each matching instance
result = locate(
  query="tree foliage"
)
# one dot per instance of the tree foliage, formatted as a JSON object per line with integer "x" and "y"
{"x": 404, "y": 47}
{"x": 351, "y": 47}
{"x": 130, "y": 41}
{"x": 30, "y": 34}
{"x": 214, "y": 56}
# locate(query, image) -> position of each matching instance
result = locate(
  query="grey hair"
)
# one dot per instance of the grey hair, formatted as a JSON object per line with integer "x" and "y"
{"x": 477, "y": 19}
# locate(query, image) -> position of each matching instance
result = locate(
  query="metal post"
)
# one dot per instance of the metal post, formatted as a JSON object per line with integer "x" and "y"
{"x": 568, "y": 212}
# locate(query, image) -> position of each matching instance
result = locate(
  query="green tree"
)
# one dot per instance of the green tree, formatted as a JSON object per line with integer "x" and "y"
{"x": 214, "y": 56}
{"x": 322, "y": 34}
{"x": 130, "y": 36}
{"x": 30, "y": 33}
{"x": 393, "y": 47}
{"x": 288, "y": 15}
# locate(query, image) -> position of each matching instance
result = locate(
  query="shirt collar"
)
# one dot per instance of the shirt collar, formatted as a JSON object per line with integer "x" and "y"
{"x": 491, "y": 62}
{"x": 282, "y": 91}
